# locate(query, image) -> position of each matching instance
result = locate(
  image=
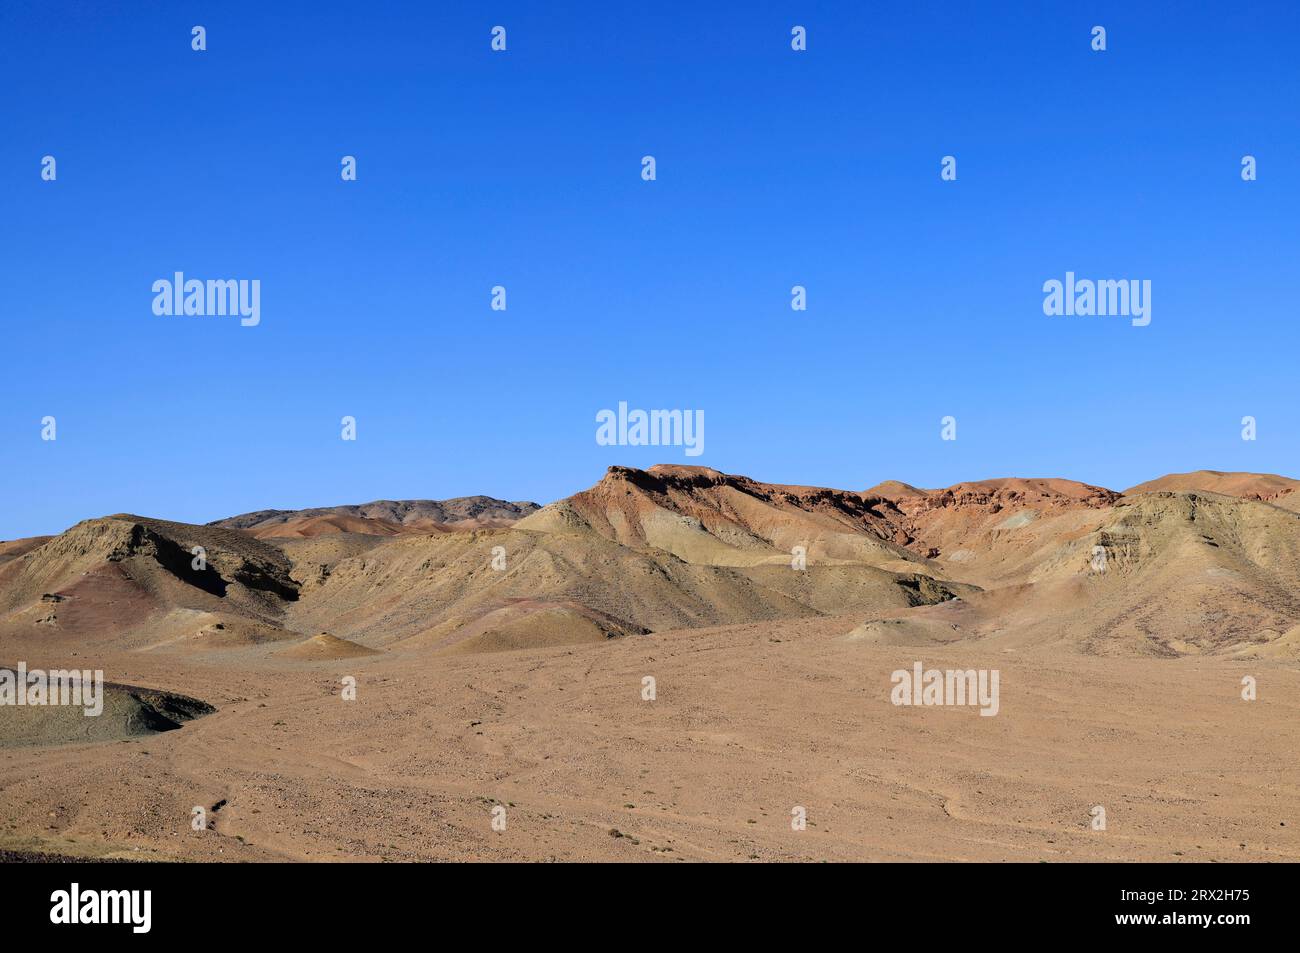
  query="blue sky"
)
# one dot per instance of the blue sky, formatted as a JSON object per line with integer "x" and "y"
{"x": 522, "y": 169}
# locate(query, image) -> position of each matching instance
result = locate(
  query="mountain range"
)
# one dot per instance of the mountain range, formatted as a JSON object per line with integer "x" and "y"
{"x": 664, "y": 666}
{"x": 1205, "y": 562}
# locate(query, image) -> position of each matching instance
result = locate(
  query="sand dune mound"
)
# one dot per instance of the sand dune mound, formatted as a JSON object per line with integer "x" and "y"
{"x": 919, "y": 632}
{"x": 194, "y": 632}
{"x": 894, "y": 489}
{"x": 128, "y": 711}
{"x": 325, "y": 646}
{"x": 524, "y": 624}
{"x": 382, "y": 517}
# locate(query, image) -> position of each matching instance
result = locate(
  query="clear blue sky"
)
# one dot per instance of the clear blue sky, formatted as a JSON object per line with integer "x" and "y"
{"x": 522, "y": 169}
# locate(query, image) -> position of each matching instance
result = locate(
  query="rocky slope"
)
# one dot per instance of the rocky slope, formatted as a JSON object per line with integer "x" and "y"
{"x": 1020, "y": 561}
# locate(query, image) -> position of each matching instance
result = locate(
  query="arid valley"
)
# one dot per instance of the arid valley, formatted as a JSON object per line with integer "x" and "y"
{"x": 670, "y": 666}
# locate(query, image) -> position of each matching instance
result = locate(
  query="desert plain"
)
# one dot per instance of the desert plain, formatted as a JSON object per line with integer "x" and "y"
{"x": 673, "y": 665}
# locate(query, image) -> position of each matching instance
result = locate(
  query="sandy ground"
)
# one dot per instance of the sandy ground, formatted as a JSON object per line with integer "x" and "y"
{"x": 750, "y": 722}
